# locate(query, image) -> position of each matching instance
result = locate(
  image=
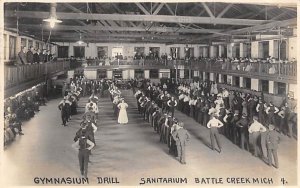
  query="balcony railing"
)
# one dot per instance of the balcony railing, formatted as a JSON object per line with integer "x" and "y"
{"x": 287, "y": 71}
{"x": 15, "y": 75}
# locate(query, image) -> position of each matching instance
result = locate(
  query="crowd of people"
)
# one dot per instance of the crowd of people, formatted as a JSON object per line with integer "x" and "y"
{"x": 21, "y": 107}
{"x": 247, "y": 120}
{"x": 33, "y": 56}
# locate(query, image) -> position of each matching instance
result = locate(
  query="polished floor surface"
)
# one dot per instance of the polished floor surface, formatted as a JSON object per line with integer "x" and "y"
{"x": 131, "y": 152}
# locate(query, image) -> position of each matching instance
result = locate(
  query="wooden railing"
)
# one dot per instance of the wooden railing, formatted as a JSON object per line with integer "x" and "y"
{"x": 15, "y": 75}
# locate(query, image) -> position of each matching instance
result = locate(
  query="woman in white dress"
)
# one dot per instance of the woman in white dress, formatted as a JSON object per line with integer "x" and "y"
{"x": 122, "y": 119}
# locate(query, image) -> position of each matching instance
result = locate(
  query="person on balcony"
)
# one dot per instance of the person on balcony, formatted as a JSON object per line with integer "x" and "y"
{"x": 21, "y": 59}
{"x": 29, "y": 55}
{"x": 36, "y": 58}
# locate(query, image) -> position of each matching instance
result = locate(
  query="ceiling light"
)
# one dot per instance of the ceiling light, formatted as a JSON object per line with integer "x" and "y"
{"x": 52, "y": 18}
{"x": 80, "y": 42}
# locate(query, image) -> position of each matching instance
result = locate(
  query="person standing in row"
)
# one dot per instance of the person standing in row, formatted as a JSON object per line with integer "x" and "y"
{"x": 255, "y": 130}
{"x": 123, "y": 118}
{"x": 172, "y": 103}
{"x": 181, "y": 137}
{"x": 83, "y": 145}
{"x": 213, "y": 125}
{"x": 273, "y": 140}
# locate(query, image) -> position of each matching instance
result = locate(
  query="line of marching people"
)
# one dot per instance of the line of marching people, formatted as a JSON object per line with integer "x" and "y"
{"x": 84, "y": 139}
{"x": 157, "y": 108}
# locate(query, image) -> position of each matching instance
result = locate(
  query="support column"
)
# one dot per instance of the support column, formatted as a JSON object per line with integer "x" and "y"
{"x": 181, "y": 73}
{"x": 125, "y": 74}
{"x": 254, "y": 49}
{"x": 229, "y": 50}
{"x": 211, "y": 76}
{"x": 241, "y": 82}
{"x": 254, "y": 84}
{"x": 271, "y": 87}
{"x": 131, "y": 74}
{"x": 220, "y": 78}
{"x": 273, "y": 48}
{"x": 205, "y": 51}
{"x": 242, "y": 50}
{"x": 204, "y": 76}
{"x": 147, "y": 74}
{"x": 109, "y": 74}
{"x": 221, "y": 50}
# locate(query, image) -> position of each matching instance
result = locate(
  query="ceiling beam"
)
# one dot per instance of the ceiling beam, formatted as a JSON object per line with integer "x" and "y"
{"x": 140, "y": 18}
{"x": 207, "y": 10}
{"x": 67, "y": 5}
{"x": 158, "y": 9}
{"x": 283, "y": 23}
{"x": 224, "y": 10}
{"x": 111, "y": 28}
{"x": 142, "y": 8}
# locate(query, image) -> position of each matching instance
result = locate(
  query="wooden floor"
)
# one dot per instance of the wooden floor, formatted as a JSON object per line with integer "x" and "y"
{"x": 131, "y": 152}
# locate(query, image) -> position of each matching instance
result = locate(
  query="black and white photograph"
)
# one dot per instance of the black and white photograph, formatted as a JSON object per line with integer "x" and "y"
{"x": 149, "y": 93}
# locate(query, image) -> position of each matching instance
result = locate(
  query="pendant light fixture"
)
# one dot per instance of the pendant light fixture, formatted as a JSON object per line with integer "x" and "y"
{"x": 80, "y": 42}
{"x": 52, "y": 18}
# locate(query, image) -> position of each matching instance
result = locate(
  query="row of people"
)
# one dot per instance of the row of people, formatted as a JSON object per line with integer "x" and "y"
{"x": 154, "y": 111}
{"x": 33, "y": 55}
{"x": 84, "y": 139}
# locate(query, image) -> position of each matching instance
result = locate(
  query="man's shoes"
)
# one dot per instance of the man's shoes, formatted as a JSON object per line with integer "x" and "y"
{"x": 20, "y": 133}
{"x": 182, "y": 162}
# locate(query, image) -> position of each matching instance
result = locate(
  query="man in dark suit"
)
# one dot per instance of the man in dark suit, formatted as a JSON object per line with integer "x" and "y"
{"x": 272, "y": 145}
{"x": 181, "y": 136}
{"x": 29, "y": 55}
{"x": 36, "y": 58}
{"x": 64, "y": 111}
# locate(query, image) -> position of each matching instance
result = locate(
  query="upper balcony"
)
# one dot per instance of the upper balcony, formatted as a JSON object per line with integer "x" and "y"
{"x": 281, "y": 72}
{"x": 16, "y": 76}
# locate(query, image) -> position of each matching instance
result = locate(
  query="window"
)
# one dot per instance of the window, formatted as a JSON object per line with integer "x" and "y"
{"x": 5, "y": 45}
{"x": 188, "y": 52}
{"x": 175, "y": 52}
{"x": 139, "y": 74}
{"x": 154, "y": 52}
{"x": 247, "y": 83}
{"x": 23, "y": 42}
{"x": 102, "y": 52}
{"x": 186, "y": 73}
{"x": 102, "y": 74}
{"x": 247, "y": 50}
{"x": 79, "y": 51}
{"x": 237, "y": 81}
{"x": 281, "y": 88}
{"x": 63, "y": 51}
{"x": 265, "y": 86}
{"x": 263, "y": 49}
{"x": 225, "y": 79}
{"x": 282, "y": 49}
{"x": 153, "y": 73}
{"x": 12, "y": 47}
{"x": 139, "y": 52}
{"x": 30, "y": 43}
